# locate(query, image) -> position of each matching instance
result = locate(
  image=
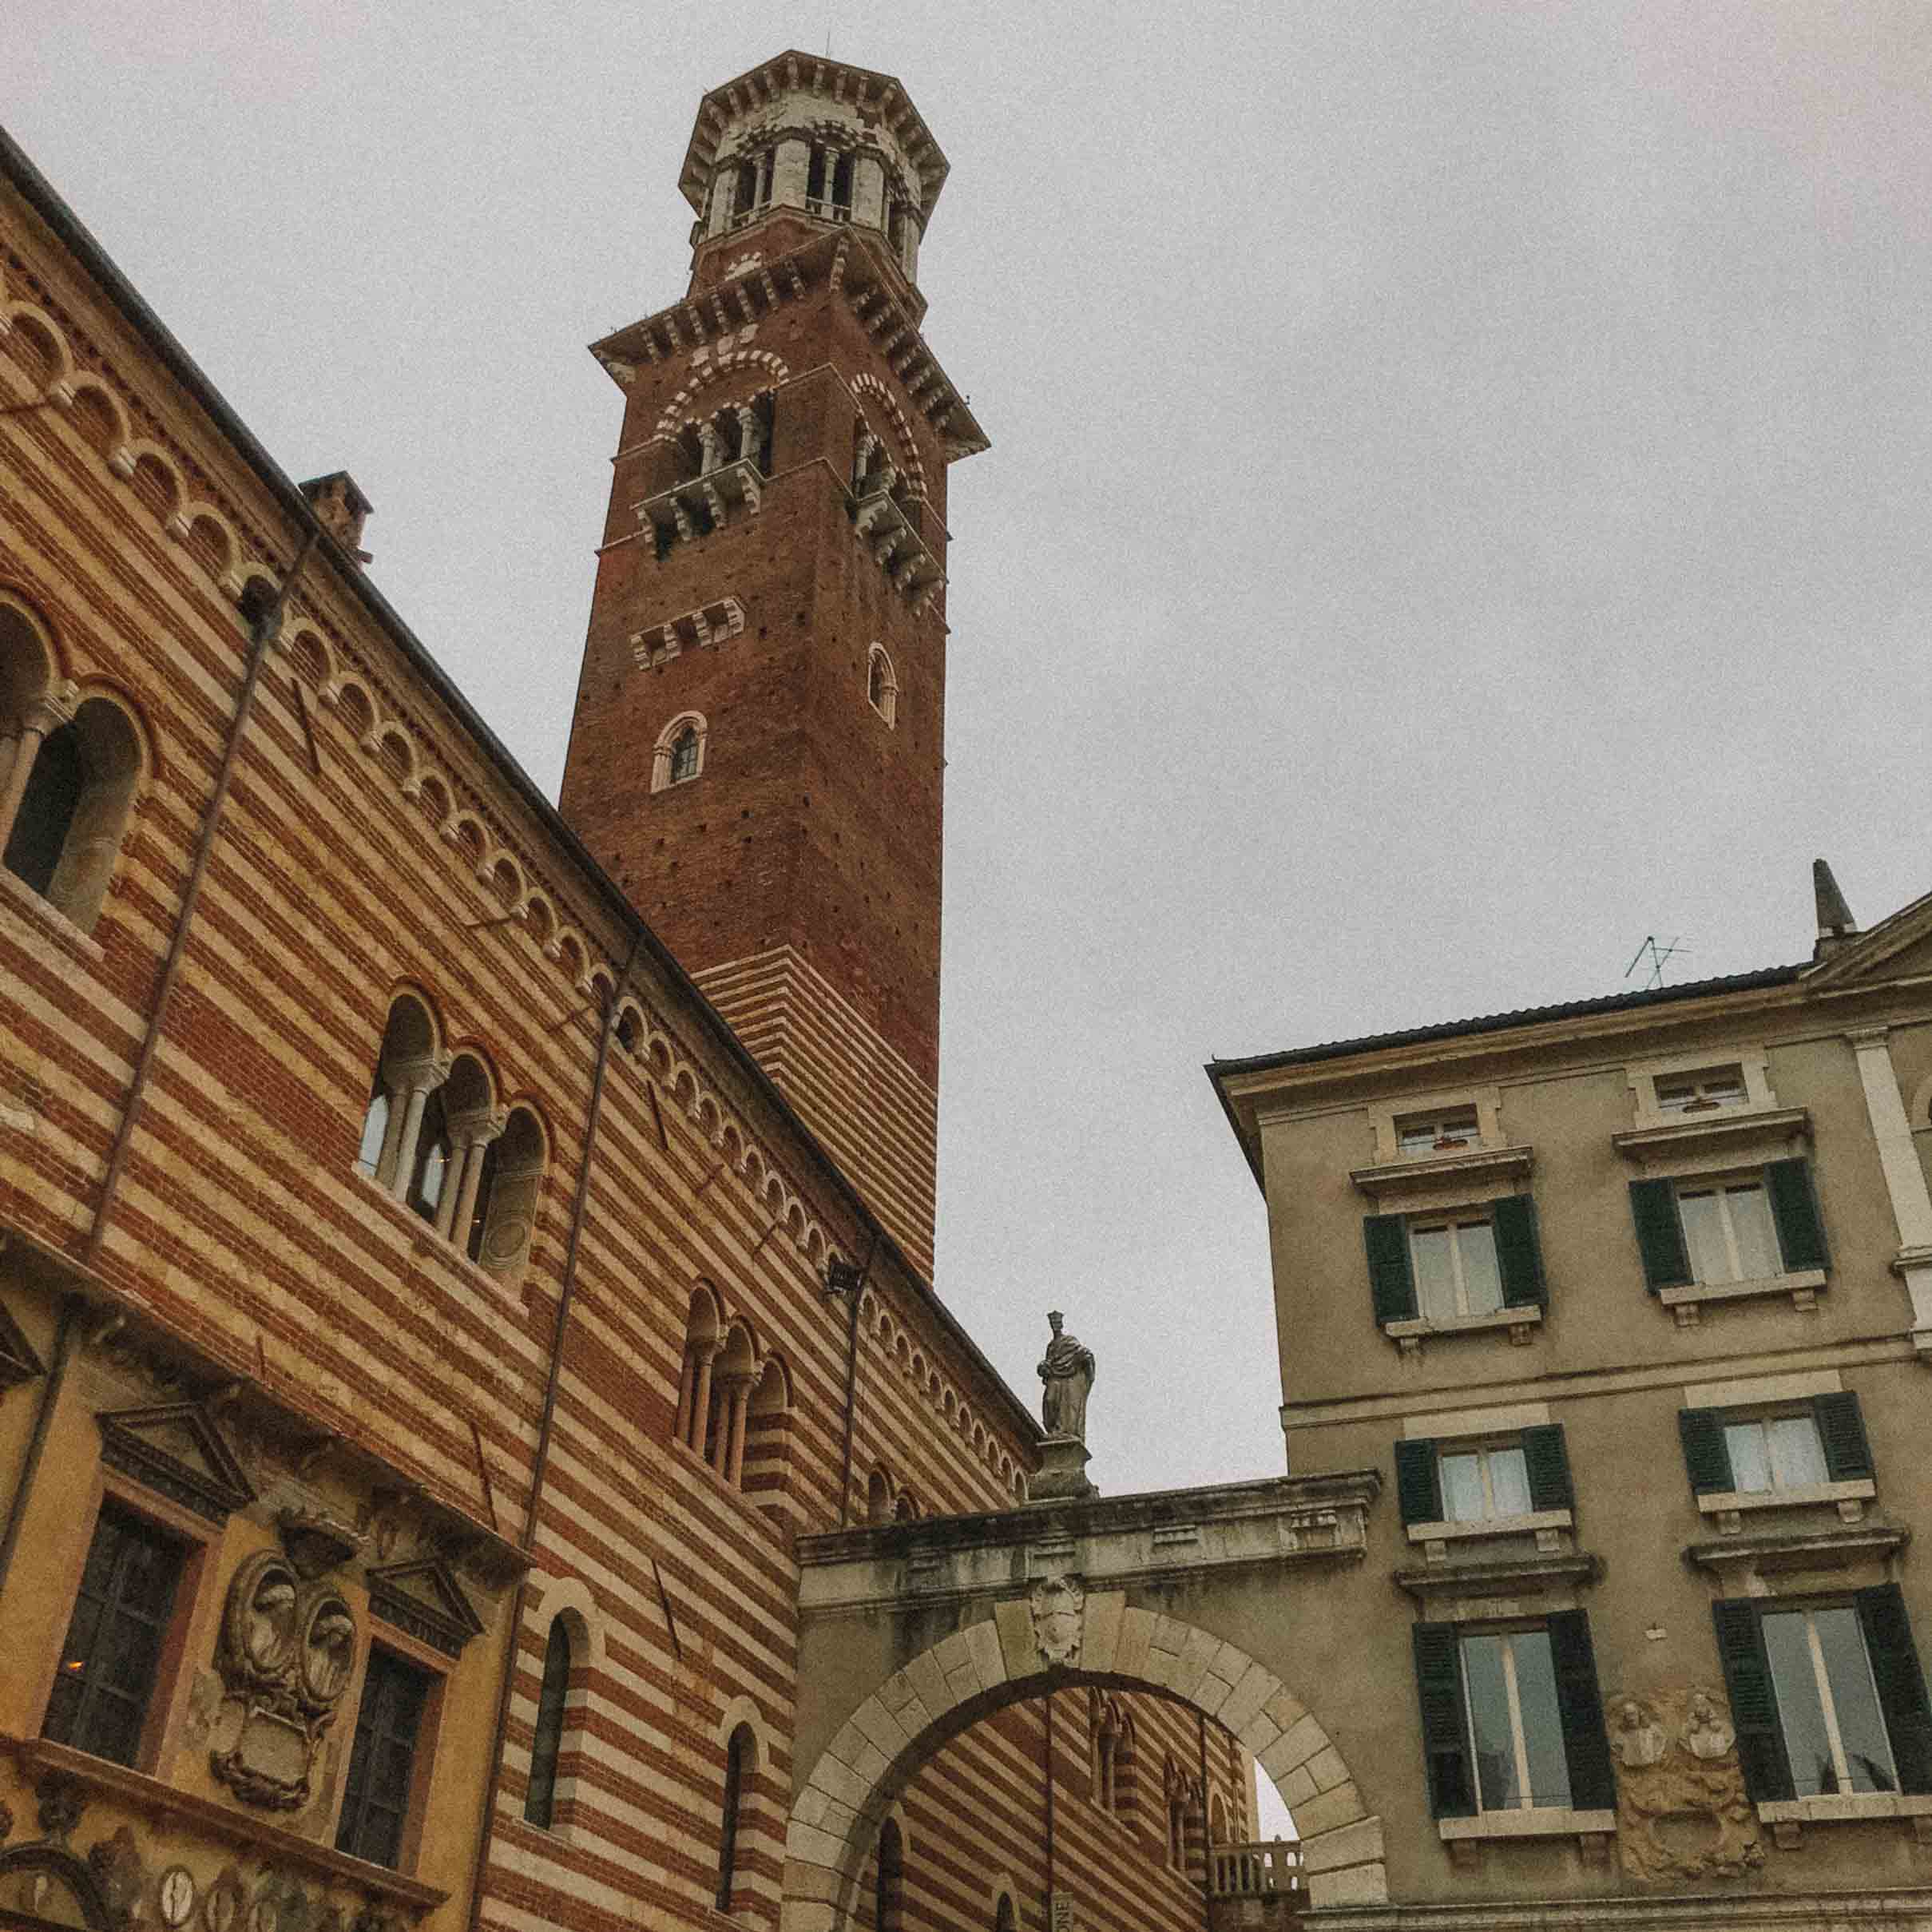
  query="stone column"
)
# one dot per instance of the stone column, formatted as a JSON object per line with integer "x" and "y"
{"x": 731, "y": 1445}
{"x": 911, "y": 259}
{"x": 747, "y": 432}
{"x": 711, "y": 448}
{"x": 700, "y": 1396}
{"x": 869, "y": 190}
{"x": 723, "y": 180}
{"x": 43, "y": 717}
{"x": 415, "y": 1081}
{"x": 1905, "y": 1180}
{"x": 791, "y": 169}
{"x": 685, "y": 1381}
{"x": 458, "y": 1204}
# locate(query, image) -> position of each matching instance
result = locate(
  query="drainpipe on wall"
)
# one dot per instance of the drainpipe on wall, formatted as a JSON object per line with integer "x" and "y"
{"x": 1050, "y": 1880}
{"x": 266, "y": 627}
{"x": 841, "y": 1279}
{"x": 540, "y": 1462}
{"x": 1207, "y": 1840}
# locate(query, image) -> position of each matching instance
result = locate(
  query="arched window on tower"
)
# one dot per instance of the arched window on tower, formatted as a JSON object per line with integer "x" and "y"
{"x": 881, "y": 685}
{"x": 679, "y": 755}
{"x": 739, "y": 1755}
{"x": 842, "y": 188}
{"x": 890, "y": 1898}
{"x": 546, "y": 1742}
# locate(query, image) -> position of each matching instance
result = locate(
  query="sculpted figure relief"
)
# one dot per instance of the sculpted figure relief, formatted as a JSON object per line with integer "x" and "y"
{"x": 1067, "y": 1370}
{"x": 1682, "y": 1814}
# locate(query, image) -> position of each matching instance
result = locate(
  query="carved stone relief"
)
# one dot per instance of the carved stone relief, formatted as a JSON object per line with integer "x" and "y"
{"x": 285, "y": 1654}
{"x": 1681, "y": 1809}
{"x": 1058, "y": 1604}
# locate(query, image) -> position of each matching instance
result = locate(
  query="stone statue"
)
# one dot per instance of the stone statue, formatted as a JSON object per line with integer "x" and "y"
{"x": 1068, "y": 1373}
{"x": 1637, "y": 1739}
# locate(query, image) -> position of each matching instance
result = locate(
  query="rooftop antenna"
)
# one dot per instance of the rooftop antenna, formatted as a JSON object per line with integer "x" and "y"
{"x": 1653, "y": 954}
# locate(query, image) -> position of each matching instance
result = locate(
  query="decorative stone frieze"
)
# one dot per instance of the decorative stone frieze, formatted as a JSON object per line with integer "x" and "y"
{"x": 1683, "y": 1816}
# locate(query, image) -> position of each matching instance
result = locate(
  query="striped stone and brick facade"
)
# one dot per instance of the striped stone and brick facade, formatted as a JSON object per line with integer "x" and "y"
{"x": 415, "y": 1321}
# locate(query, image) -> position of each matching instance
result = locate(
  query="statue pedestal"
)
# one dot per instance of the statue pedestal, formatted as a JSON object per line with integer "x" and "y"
{"x": 1062, "y": 1473}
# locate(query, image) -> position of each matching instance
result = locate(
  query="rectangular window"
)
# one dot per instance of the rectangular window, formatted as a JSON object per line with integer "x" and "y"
{"x": 1702, "y": 1091}
{"x": 1456, "y": 1273}
{"x": 1728, "y": 1231}
{"x": 1828, "y": 1709}
{"x": 1436, "y": 1133}
{"x": 1515, "y": 1723}
{"x": 112, "y": 1656}
{"x": 1778, "y": 1452}
{"x": 383, "y": 1759}
{"x": 1480, "y": 1484}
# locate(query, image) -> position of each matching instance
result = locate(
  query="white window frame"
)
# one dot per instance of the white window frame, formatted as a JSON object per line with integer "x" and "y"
{"x": 1519, "y": 1741}
{"x": 1483, "y": 1451}
{"x": 1721, "y": 1186}
{"x": 1841, "y": 1766}
{"x": 1762, "y": 1419}
{"x": 1454, "y": 1220}
{"x": 1751, "y": 1062}
{"x": 1461, "y": 1125}
{"x": 662, "y": 754}
{"x": 887, "y": 703}
{"x": 1699, "y": 1080}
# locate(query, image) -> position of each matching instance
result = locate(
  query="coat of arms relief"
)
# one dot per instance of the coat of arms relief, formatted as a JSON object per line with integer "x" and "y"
{"x": 1682, "y": 1813}
{"x": 1059, "y": 1607}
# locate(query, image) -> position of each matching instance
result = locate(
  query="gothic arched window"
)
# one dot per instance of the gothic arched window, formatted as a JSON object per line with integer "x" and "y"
{"x": 540, "y": 1797}
{"x": 882, "y": 685}
{"x": 679, "y": 755}
{"x": 739, "y": 1754}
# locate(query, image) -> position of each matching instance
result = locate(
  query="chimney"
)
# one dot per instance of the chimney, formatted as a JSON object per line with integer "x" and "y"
{"x": 341, "y": 509}
{"x": 1836, "y": 924}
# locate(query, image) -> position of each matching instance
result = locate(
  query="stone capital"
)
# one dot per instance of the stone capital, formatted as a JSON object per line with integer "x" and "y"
{"x": 53, "y": 707}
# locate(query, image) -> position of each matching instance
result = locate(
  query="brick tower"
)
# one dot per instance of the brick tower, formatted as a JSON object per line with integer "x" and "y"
{"x": 758, "y": 744}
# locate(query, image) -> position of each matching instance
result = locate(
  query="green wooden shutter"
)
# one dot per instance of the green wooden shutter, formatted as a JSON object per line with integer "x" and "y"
{"x": 1706, "y": 1459}
{"x": 1519, "y": 1254}
{"x": 1794, "y": 1207}
{"x": 1841, "y": 1429}
{"x": 1659, "y": 1235}
{"x": 1390, "y": 1279}
{"x": 1586, "y": 1744}
{"x": 1754, "y": 1702}
{"x": 1902, "y": 1683}
{"x": 1418, "y": 1488}
{"x": 1546, "y": 1462}
{"x": 1438, "y": 1694}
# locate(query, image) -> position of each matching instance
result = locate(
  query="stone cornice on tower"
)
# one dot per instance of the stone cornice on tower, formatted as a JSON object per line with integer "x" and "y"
{"x": 878, "y": 96}
{"x": 827, "y": 260}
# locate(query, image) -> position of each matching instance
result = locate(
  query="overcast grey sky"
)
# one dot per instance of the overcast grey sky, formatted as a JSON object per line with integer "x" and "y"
{"x": 1456, "y": 506}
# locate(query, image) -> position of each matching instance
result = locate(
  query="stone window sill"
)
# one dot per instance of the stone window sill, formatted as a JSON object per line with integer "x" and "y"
{"x": 1726, "y": 1506}
{"x": 1545, "y": 1525}
{"x": 1410, "y": 1335}
{"x": 1430, "y": 1170}
{"x": 1593, "y": 1829}
{"x": 19, "y": 897}
{"x": 1786, "y": 1817}
{"x": 1686, "y": 1302}
{"x": 1742, "y": 1557}
{"x": 1731, "y": 1129}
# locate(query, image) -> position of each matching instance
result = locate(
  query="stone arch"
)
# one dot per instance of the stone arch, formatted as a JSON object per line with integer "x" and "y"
{"x": 35, "y": 340}
{"x": 102, "y": 420}
{"x": 678, "y": 413}
{"x": 910, "y": 465}
{"x": 976, "y": 1671}
{"x": 74, "y": 1875}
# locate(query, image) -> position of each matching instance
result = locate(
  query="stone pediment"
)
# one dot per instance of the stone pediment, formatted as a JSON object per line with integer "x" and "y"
{"x": 1897, "y": 948}
{"x": 423, "y": 1600}
{"x": 176, "y": 1449}
{"x": 18, "y": 1363}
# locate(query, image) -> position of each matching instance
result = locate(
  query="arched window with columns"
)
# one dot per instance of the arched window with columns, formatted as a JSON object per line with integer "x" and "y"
{"x": 503, "y": 1216}
{"x": 70, "y": 767}
{"x": 410, "y": 1067}
{"x": 679, "y": 756}
{"x": 704, "y": 1336}
{"x": 769, "y": 1431}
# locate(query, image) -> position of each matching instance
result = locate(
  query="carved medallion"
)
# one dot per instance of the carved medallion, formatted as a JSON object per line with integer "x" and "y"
{"x": 1681, "y": 1809}
{"x": 285, "y": 1654}
{"x": 1059, "y": 1604}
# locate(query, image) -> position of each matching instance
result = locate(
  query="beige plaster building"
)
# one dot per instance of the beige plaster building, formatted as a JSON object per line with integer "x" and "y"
{"x": 1630, "y": 1299}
